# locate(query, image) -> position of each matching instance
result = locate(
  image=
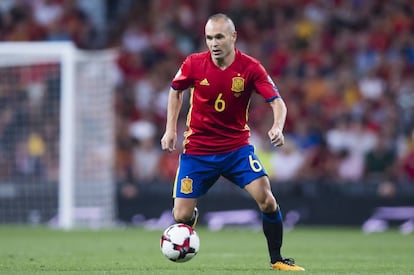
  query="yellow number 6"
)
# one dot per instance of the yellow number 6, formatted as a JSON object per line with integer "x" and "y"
{"x": 255, "y": 164}
{"x": 219, "y": 104}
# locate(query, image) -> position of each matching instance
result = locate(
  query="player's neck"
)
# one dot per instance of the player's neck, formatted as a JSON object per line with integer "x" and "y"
{"x": 224, "y": 63}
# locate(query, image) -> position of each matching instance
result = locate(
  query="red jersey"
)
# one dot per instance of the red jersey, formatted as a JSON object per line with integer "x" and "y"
{"x": 218, "y": 114}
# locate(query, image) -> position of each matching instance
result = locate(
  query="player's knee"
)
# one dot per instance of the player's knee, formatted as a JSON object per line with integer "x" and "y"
{"x": 268, "y": 204}
{"x": 182, "y": 215}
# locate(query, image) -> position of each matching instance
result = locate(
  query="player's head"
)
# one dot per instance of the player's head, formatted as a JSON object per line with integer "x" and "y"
{"x": 220, "y": 35}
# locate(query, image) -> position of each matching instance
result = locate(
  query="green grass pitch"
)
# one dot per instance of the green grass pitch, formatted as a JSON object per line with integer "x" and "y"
{"x": 25, "y": 250}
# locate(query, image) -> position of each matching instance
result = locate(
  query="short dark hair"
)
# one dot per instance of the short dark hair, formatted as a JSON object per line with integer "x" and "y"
{"x": 222, "y": 16}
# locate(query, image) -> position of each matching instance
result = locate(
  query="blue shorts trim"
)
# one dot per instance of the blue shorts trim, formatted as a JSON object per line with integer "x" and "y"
{"x": 197, "y": 173}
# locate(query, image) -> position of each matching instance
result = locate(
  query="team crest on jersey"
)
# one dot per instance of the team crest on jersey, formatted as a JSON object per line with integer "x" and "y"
{"x": 237, "y": 85}
{"x": 186, "y": 185}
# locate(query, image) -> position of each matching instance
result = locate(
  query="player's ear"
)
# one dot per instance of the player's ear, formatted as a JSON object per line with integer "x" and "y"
{"x": 234, "y": 36}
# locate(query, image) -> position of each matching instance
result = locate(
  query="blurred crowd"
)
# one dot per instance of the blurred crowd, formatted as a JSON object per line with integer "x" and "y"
{"x": 345, "y": 69}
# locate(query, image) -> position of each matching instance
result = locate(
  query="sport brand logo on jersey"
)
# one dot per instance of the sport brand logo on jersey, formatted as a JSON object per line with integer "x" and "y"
{"x": 186, "y": 185}
{"x": 237, "y": 85}
{"x": 204, "y": 82}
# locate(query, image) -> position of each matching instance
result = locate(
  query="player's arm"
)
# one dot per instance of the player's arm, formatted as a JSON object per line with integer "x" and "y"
{"x": 265, "y": 86}
{"x": 169, "y": 139}
{"x": 181, "y": 82}
{"x": 279, "y": 117}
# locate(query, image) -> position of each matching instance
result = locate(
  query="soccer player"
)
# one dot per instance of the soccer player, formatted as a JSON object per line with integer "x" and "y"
{"x": 216, "y": 143}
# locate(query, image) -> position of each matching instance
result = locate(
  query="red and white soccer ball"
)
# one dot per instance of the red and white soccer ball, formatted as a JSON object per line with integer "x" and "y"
{"x": 179, "y": 243}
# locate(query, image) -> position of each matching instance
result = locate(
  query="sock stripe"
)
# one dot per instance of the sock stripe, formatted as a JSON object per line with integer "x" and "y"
{"x": 273, "y": 217}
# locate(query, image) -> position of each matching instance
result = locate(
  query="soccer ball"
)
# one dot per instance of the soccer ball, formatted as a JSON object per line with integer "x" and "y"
{"x": 179, "y": 243}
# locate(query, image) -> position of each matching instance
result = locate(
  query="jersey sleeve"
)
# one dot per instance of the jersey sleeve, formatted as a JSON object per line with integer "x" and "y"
{"x": 182, "y": 80}
{"x": 264, "y": 84}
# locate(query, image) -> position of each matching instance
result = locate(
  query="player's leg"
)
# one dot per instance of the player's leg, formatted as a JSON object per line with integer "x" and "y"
{"x": 260, "y": 190}
{"x": 185, "y": 211}
{"x": 195, "y": 175}
{"x": 244, "y": 169}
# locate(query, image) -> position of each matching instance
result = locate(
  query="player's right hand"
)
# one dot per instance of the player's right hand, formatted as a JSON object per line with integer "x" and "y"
{"x": 168, "y": 141}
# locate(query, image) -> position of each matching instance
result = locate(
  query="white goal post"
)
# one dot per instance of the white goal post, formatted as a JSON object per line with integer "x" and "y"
{"x": 81, "y": 98}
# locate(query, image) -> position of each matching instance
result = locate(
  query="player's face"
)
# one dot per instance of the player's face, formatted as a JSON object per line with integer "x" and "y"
{"x": 220, "y": 39}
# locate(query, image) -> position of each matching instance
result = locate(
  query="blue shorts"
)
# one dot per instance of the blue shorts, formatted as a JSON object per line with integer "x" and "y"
{"x": 197, "y": 173}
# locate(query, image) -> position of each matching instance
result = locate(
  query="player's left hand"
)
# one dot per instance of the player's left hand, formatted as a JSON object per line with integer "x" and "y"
{"x": 276, "y": 137}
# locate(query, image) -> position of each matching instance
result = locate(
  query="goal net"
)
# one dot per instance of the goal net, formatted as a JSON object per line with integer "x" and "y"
{"x": 56, "y": 135}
